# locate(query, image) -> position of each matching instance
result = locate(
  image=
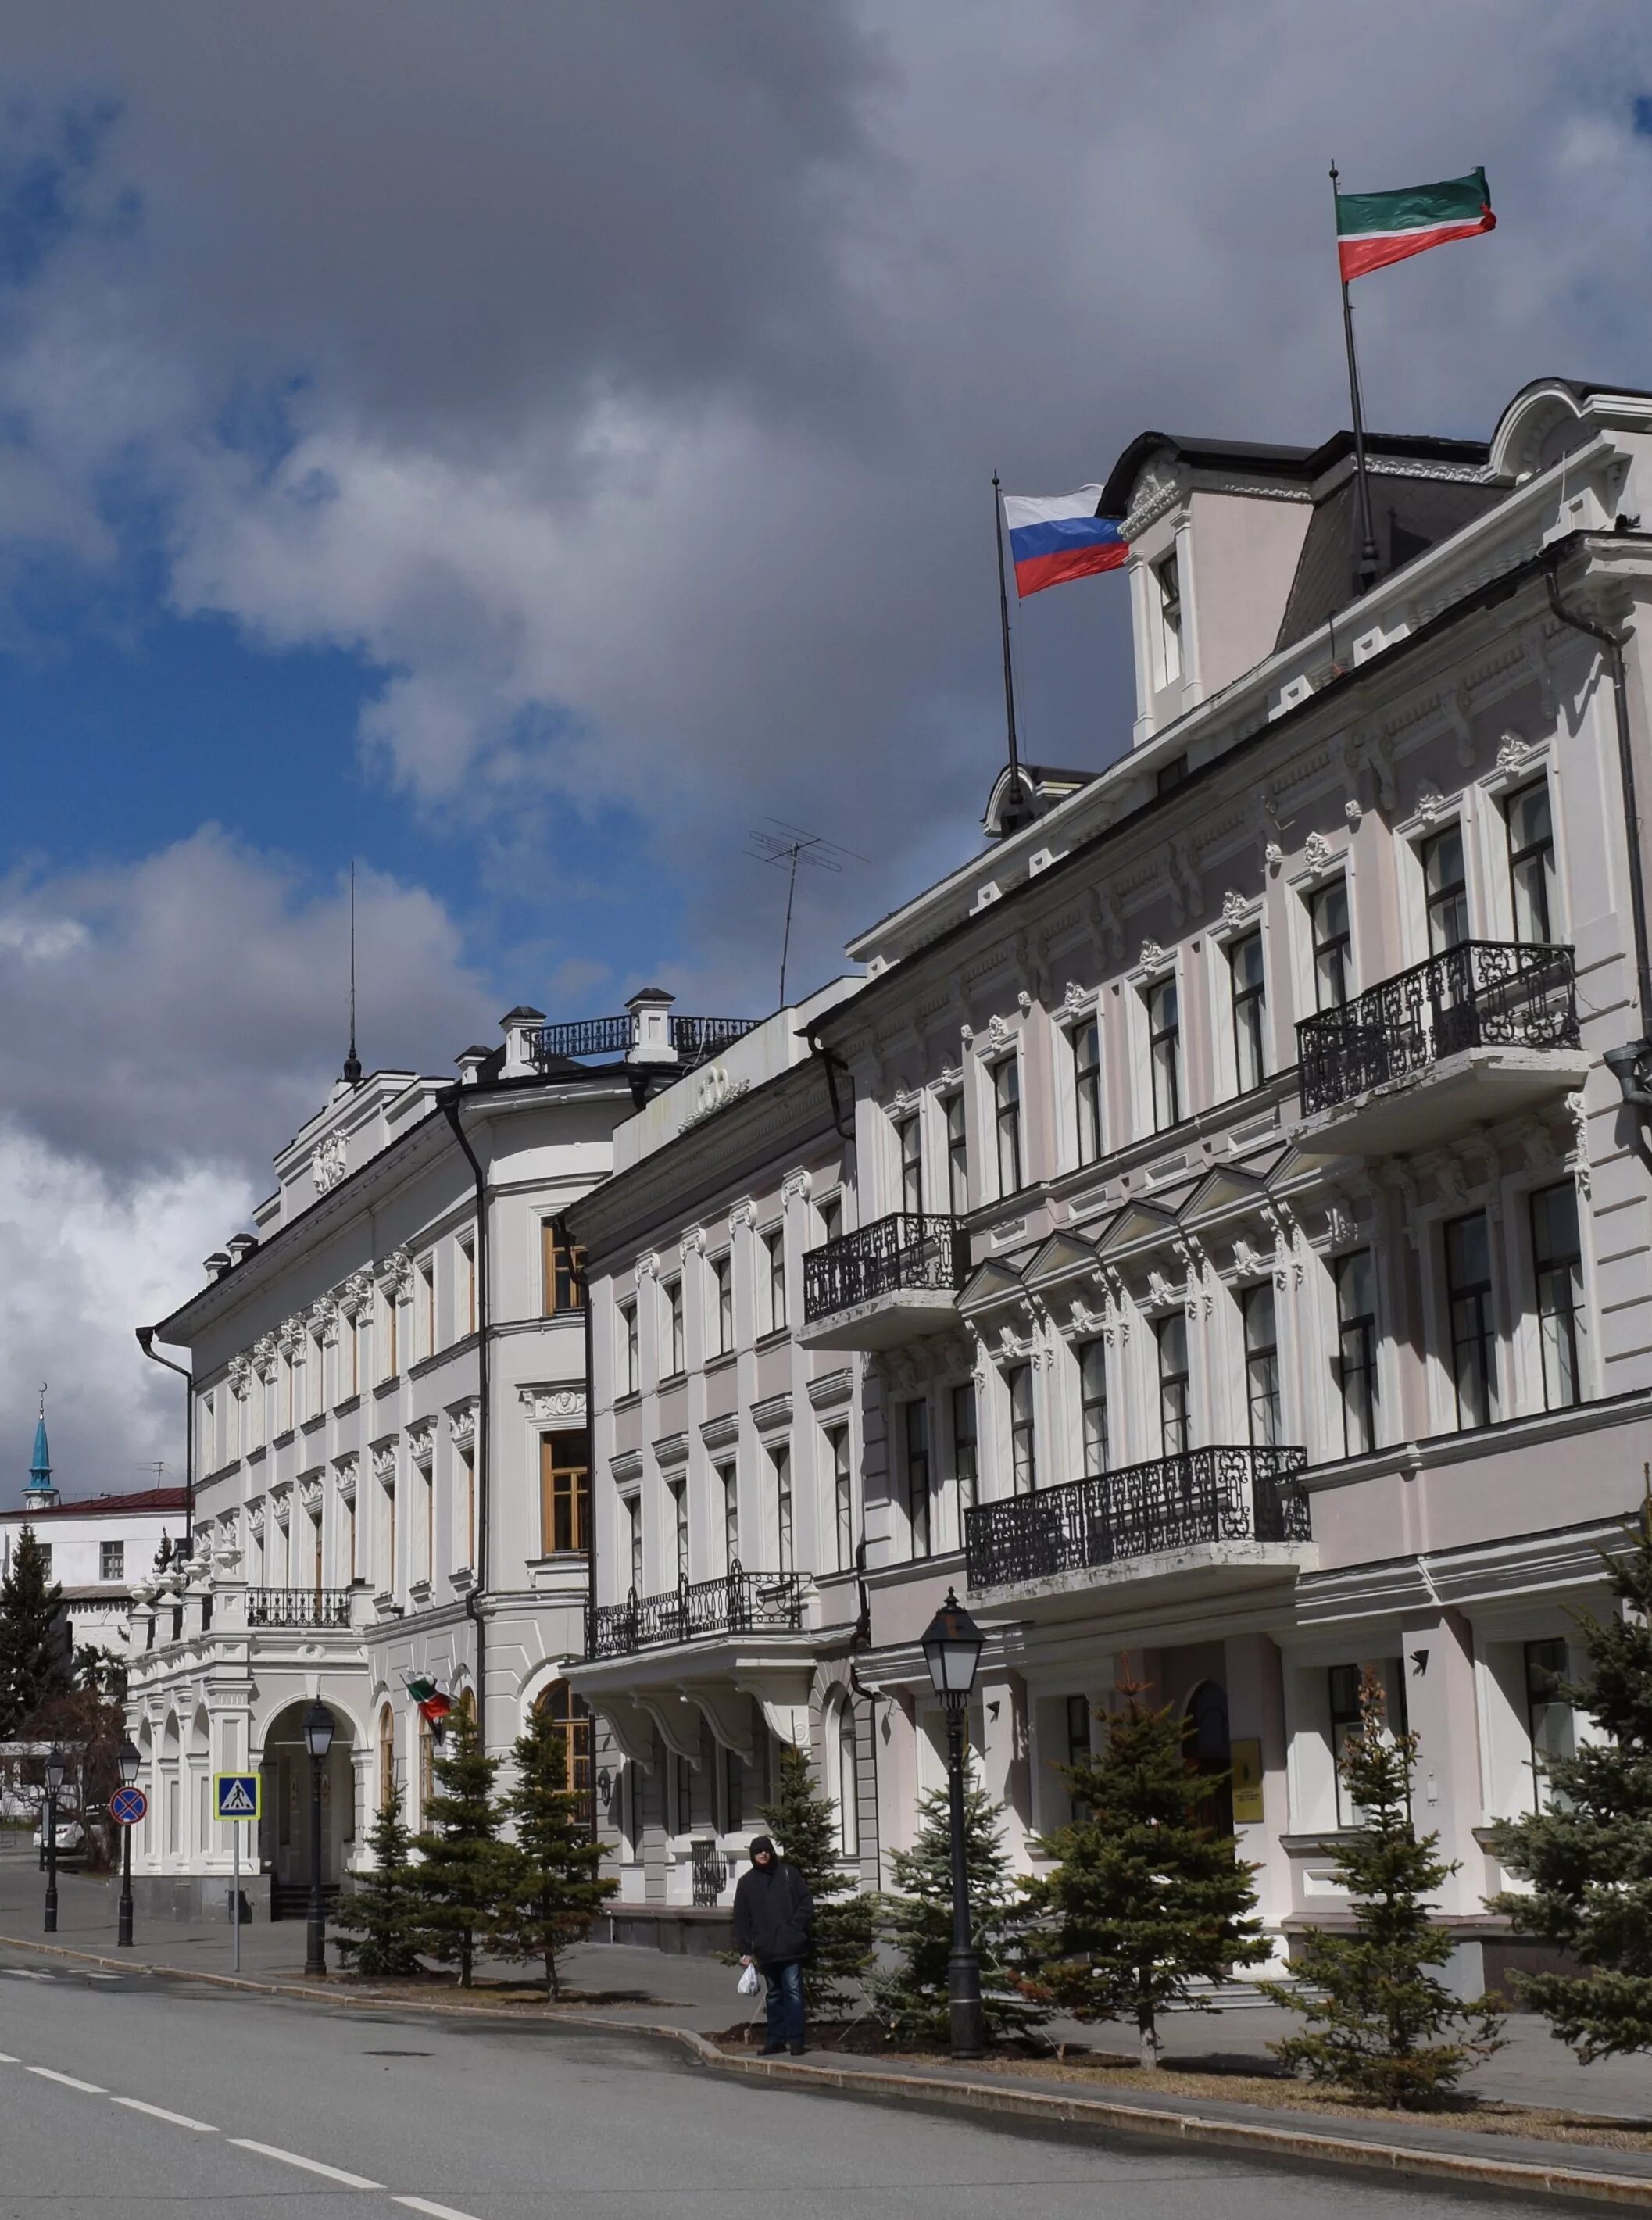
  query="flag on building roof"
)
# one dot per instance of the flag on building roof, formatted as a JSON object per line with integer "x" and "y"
{"x": 1374, "y": 229}
{"x": 432, "y": 1703}
{"x": 1061, "y": 536}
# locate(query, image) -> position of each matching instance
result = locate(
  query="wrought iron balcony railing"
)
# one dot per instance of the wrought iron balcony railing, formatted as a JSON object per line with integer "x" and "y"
{"x": 739, "y": 1603}
{"x": 1483, "y": 994}
{"x": 908, "y": 1249}
{"x": 694, "y": 1039}
{"x": 1172, "y": 1503}
{"x": 298, "y": 1607}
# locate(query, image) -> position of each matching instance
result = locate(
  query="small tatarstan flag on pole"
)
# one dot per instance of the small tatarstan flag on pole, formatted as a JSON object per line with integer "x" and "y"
{"x": 1374, "y": 229}
{"x": 432, "y": 1703}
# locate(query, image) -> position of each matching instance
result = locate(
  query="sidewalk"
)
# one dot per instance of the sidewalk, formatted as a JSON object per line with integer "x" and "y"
{"x": 621, "y": 1982}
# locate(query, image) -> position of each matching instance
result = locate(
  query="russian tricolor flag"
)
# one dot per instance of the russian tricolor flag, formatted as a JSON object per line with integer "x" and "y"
{"x": 1060, "y": 537}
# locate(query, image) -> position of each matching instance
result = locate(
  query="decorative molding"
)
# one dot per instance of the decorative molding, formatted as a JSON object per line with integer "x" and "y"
{"x": 345, "y": 1478}
{"x": 394, "y": 1273}
{"x": 742, "y": 1212}
{"x": 1512, "y": 753}
{"x": 773, "y": 1411}
{"x": 329, "y": 1163}
{"x": 1272, "y": 854}
{"x": 1353, "y": 813}
{"x": 383, "y": 1456}
{"x": 1152, "y": 956}
{"x": 1316, "y": 851}
{"x": 721, "y": 1433}
{"x": 794, "y": 1187}
{"x": 647, "y": 1266}
{"x": 713, "y": 1090}
{"x": 421, "y": 1441}
{"x": 461, "y": 1424}
{"x": 670, "y": 1450}
{"x": 545, "y": 1405}
{"x": 825, "y": 1392}
{"x": 309, "y": 1491}
{"x": 1429, "y": 801}
{"x": 692, "y": 1243}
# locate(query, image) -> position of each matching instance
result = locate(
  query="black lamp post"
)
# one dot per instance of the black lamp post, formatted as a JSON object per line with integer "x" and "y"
{"x": 130, "y": 1764}
{"x": 55, "y": 1769}
{"x": 952, "y": 1647}
{"x": 318, "y": 1740}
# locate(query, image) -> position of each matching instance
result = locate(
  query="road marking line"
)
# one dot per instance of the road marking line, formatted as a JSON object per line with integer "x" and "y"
{"x": 26, "y": 1973}
{"x": 159, "y": 2112}
{"x": 6, "y": 2059}
{"x": 310, "y": 2165}
{"x": 436, "y": 2211}
{"x": 47, "y": 2073}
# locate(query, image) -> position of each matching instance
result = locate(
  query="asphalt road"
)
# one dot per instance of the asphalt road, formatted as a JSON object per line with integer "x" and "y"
{"x": 130, "y": 2095}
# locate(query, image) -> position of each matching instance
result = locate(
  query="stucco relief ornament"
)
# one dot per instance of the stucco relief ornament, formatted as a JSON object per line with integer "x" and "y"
{"x": 1512, "y": 752}
{"x": 997, "y": 1032}
{"x": 1152, "y": 956}
{"x": 1234, "y": 907}
{"x": 794, "y": 1187}
{"x": 1316, "y": 851}
{"x": 355, "y": 1293}
{"x": 1272, "y": 855}
{"x": 1353, "y": 813}
{"x": 384, "y": 1463}
{"x": 1159, "y": 1290}
{"x": 1577, "y": 1162}
{"x": 1073, "y": 1000}
{"x": 344, "y": 1473}
{"x": 545, "y": 1403}
{"x": 309, "y": 1493}
{"x": 255, "y": 1518}
{"x": 396, "y": 1273}
{"x": 422, "y": 1443}
{"x": 1025, "y": 1001}
{"x": 1430, "y": 800}
{"x": 328, "y": 1164}
{"x": 1246, "y": 1260}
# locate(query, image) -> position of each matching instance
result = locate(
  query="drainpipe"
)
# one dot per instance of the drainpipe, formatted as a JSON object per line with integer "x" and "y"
{"x": 1631, "y": 1064}
{"x": 147, "y": 1343}
{"x": 483, "y": 1430}
{"x": 812, "y": 1035}
{"x": 582, "y": 1280}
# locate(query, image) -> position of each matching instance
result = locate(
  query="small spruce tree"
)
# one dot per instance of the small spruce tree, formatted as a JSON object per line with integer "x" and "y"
{"x": 1145, "y": 1899}
{"x": 917, "y": 1925}
{"x": 803, "y": 1821}
{"x": 374, "y": 1924}
{"x": 1589, "y": 1856}
{"x": 35, "y": 1663}
{"x": 1375, "y": 2007}
{"x": 558, "y": 1885}
{"x": 465, "y": 1873}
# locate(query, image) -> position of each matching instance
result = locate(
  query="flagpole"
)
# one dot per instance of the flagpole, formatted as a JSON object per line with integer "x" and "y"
{"x": 1369, "y": 562}
{"x": 1017, "y": 791}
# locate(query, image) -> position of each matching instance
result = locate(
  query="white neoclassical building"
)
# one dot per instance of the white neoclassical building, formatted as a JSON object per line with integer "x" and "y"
{"x": 389, "y": 1381}
{"x": 1213, "y": 1232}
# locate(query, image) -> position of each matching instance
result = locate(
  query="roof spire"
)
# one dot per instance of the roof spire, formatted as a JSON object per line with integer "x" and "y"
{"x": 40, "y": 1489}
{"x": 352, "y": 1061}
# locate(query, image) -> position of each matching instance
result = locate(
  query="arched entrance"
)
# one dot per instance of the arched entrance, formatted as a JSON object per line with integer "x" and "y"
{"x": 1205, "y": 1735}
{"x": 284, "y": 1837}
{"x": 570, "y": 1715}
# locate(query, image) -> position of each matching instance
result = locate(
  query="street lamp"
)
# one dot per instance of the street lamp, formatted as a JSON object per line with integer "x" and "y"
{"x": 56, "y": 1767}
{"x": 952, "y": 1646}
{"x": 318, "y": 1740}
{"x": 131, "y": 1764}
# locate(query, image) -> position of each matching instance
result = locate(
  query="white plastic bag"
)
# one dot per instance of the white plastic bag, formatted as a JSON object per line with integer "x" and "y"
{"x": 750, "y": 1981}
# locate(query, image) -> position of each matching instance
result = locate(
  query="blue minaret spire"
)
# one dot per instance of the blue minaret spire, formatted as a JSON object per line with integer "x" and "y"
{"x": 39, "y": 1490}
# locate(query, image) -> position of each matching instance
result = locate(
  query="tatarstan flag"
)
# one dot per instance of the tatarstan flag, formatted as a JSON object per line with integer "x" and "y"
{"x": 1374, "y": 229}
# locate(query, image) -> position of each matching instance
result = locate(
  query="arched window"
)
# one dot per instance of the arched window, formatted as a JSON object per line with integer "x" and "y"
{"x": 1205, "y": 1740}
{"x": 386, "y": 1756}
{"x": 847, "y": 1783}
{"x": 426, "y": 1769}
{"x": 571, "y": 1716}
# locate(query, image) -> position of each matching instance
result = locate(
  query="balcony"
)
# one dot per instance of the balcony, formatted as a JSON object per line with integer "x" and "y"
{"x": 1485, "y": 1029}
{"x": 298, "y": 1607}
{"x": 887, "y": 1283}
{"x": 1180, "y": 1529}
{"x": 739, "y": 1603}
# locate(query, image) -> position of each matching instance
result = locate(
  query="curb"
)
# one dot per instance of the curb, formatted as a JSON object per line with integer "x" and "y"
{"x": 1095, "y": 2114}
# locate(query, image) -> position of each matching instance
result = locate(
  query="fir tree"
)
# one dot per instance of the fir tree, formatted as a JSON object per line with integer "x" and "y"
{"x": 1377, "y": 2011}
{"x": 1145, "y": 1899}
{"x": 375, "y": 1923}
{"x": 1589, "y": 1857}
{"x": 918, "y": 1925}
{"x": 464, "y": 1872}
{"x": 558, "y": 1886}
{"x": 34, "y": 1651}
{"x": 803, "y": 1821}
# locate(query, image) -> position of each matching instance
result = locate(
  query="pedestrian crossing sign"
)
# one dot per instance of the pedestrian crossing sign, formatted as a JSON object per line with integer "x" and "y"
{"x": 237, "y": 1794}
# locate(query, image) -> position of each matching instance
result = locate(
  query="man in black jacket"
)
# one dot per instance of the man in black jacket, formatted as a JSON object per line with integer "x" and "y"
{"x": 774, "y": 1913}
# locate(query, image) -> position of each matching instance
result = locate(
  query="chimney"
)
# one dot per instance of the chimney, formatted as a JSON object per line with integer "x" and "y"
{"x": 240, "y": 1246}
{"x": 216, "y": 1265}
{"x": 649, "y": 1009}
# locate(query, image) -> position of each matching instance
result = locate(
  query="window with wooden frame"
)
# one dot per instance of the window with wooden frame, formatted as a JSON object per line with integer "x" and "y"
{"x": 467, "y": 1306}
{"x": 390, "y": 1352}
{"x": 774, "y": 1280}
{"x": 673, "y": 1337}
{"x": 909, "y": 1139}
{"x": 564, "y": 1491}
{"x": 957, "y": 1155}
{"x": 562, "y": 1271}
{"x": 1531, "y": 862}
{"x": 426, "y": 1276}
{"x": 1087, "y": 1088}
{"x": 1007, "y": 1117}
{"x": 630, "y": 1363}
{"x": 570, "y": 1718}
{"x": 1333, "y": 943}
{"x": 386, "y": 1756}
{"x": 722, "y": 1298}
{"x": 467, "y": 1502}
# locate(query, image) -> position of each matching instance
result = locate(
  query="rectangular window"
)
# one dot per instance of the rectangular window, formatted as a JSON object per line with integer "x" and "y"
{"x": 630, "y": 1367}
{"x": 1549, "y": 1718}
{"x": 1557, "y": 1264}
{"x": 1006, "y": 1113}
{"x": 1531, "y": 863}
{"x": 354, "y": 1326}
{"x": 780, "y": 1466}
{"x": 564, "y": 1491}
{"x": 966, "y": 1453}
{"x": 467, "y": 1286}
{"x": 348, "y": 1509}
{"x": 1262, "y": 1364}
{"x": 1446, "y": 889}
{"x": 734, "y": 1792}
{"x": 1250, "y": 1011}
{"x": 389, "y": 1565}
{"x": 562, "y": 1271}
{"x": 909, "y": 1137}
{"x": 843, "y": 1501}
{"x": 682, "y": 1796}
{"x": 1087, "y": 1088}
{"x": 1164, "y": 1051}
{"x": 1468, "y": 1292}
{"x": 774, "y": 1280}
{"x": 111, "y": 1561}
{"x": 673, "y": 1344}
{"x": 634, "y": 1540}
{"x": 679, "y": 1495}
{"x": 917, "y": 1460}
{"x": 957, "y": 1157}
{"x": 1171, "y": 1335}
{"x": 1166, "y": 577}
{"x": 1092, "y": 1404}
{"x": 428, "y": 1308}
{"x": 722, "y": 1296}
{"x": 848, "y": 1793}
{"x": 1344, "y": 1692}
{"x": 286, "y": 1406}
{"x": 831, "y": 1218}
{"x": 426, "y": 1522}
{"x": 1024, "y": 1445}
{"x": 1356, "y": 1376}
{"x": 1332, "y": 946}
{"x": 388, "y": 1318}
{"x": 728, "y": 1488}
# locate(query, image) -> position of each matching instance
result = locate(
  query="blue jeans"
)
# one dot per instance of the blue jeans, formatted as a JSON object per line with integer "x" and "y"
{"x": 785, "y": 2001}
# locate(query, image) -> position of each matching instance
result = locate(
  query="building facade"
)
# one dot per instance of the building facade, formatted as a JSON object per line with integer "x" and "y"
{"x": 390, "y": 1438}
{"x": 1214, "y": 1231}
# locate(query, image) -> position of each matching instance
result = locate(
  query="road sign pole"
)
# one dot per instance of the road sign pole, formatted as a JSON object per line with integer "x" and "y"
{"x": 235, "y": 1900}
{"x": 123, "y": 1931}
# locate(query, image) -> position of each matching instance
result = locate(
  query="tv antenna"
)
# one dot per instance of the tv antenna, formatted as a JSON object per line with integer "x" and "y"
{"x": 786, "y": 850}
{"x": 352, "y": 1061}
{"x": 158, "y": 1469}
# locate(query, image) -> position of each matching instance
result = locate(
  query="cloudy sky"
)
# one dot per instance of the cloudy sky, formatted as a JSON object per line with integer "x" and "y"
{"x": 524, "y": 448}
